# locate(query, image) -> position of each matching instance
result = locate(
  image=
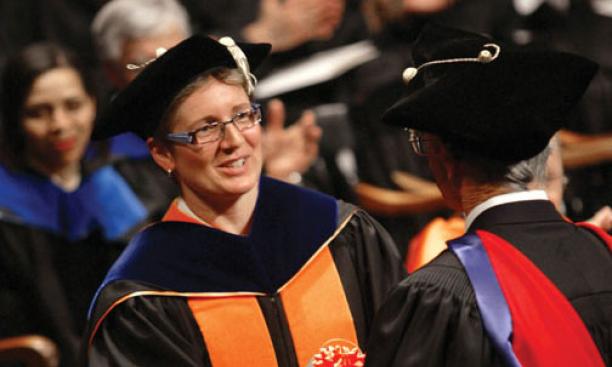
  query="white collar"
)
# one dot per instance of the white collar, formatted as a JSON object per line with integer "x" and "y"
{"x": 503, "y": 199}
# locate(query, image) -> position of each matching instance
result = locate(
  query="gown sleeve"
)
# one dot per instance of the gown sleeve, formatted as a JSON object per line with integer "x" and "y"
{"x": 149, "y": 331}
{"x": 377, "y": 256}
{"x": 431, "y": 319}
{"x": 369, "y": 264}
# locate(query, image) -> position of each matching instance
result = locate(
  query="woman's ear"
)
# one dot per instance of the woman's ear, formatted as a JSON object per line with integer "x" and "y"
{"x": 161, "y": 154}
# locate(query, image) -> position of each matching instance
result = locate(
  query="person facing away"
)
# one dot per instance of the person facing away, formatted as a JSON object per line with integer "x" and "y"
{"x": 431, "y": 241}
{"x": 243, "y": 269}
{"x": 522, "y": 286}
{"x": 63, "y": 220}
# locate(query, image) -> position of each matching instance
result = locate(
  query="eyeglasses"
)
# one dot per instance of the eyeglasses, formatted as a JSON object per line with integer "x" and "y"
{"x": 214, "y": 131}
{"x": 420, "y": 145}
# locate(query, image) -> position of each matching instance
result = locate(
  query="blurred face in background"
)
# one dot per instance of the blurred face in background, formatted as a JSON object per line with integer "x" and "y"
{"x": 140, "y": 50}
{"x": 57, "y": 119}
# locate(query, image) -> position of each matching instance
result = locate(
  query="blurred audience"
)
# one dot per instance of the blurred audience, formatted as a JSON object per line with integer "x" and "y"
{"x": 64, "y": 22}
{"x": 63, "y": 220}
{"x": 129, "y": 32}
{"x": 290, "y": 23}
{"x": 379, "y": 149}
{"x": 587, "y": 31}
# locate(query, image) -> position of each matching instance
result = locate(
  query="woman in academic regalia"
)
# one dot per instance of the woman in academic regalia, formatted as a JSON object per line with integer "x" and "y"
{"x": 243, "y": 269}
{"x": 62, "y": 221}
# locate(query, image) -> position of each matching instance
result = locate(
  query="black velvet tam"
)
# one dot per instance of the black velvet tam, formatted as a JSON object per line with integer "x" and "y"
{"x": 506, "y": 109}
{"x": 140, "y": 107}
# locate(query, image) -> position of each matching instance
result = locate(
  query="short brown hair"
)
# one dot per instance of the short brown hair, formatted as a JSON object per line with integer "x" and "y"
{"x": 222, "y": 74}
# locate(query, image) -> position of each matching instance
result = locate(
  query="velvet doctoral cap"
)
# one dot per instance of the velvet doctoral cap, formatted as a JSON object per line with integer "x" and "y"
{"x": 486, "y": 98}
{"x": 140, "y": 107}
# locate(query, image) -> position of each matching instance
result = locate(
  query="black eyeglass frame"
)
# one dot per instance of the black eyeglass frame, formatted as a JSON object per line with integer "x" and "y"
{"x": 189, "y": 137}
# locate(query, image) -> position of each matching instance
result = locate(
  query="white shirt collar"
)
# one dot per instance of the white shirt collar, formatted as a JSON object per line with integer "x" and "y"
{"x": 503, "y": 199}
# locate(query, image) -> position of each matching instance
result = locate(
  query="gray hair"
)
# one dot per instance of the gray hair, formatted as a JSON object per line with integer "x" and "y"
{"x": 530, "y": 171}
{"x": 515, "y": 176}
{"x": 121, "y": 20}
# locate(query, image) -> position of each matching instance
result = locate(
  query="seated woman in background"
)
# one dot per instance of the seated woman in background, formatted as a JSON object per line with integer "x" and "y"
{"x": 243, "y": 270}
{"x": 62, "y": 222}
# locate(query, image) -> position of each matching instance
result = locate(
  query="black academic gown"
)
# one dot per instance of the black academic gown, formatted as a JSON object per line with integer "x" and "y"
{"x": 431, "y": 318}
{"x": 56, "y": 247}
{"x": 145, "y": 315}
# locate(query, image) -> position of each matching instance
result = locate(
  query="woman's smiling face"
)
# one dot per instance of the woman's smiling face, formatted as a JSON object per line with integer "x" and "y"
{"x": 229, "y": 167}
{"x": 57, "y": 119}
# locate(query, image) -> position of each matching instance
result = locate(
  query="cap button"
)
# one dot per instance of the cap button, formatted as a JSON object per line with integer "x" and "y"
{"x": 485, "y": 56}
{"x": 409, "y": 74}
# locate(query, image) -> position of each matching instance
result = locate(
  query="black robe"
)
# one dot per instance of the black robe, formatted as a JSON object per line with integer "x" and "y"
{"x": 432, "y": 319}
{"x": 55, "y": 248}
{"x": 175, "y": 263}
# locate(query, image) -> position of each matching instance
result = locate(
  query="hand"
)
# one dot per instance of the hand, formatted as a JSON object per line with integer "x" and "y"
{"x": 289, "y": 151}
{"x": 377, "y": 13}
{"x": 287, "y": 24}
{"x": 603, "y": 218}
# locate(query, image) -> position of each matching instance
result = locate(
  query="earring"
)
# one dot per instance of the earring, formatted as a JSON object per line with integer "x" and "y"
{"x": 169, "y": 172}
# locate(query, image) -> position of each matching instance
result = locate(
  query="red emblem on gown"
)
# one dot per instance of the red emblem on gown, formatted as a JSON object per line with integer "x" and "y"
{"x": 338, "y": 353}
